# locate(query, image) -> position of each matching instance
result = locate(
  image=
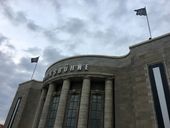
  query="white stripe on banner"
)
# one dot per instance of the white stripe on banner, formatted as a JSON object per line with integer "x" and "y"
{"x": 161, "y": 95}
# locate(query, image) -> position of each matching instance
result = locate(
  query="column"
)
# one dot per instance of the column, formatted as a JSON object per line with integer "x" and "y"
{"x": 39, "y": 108}
{"x": 46, "y": 106}
{"x": 83, "y": 112}
{"x": 108, "y": 111}
{"x": 62, "y": 104}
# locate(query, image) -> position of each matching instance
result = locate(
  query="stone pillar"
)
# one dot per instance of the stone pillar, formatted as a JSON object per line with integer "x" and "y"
{"x": 62, "y": 104}
{"x": 108, "y": 111}
{"x": 39, "y": 108}
{"x": 46, "y": 106}
{"x": 83, "y": 112}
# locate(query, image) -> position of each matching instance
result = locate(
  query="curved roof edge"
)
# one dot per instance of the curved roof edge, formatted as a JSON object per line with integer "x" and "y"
{"x": 112, "y": 57}
{"x": 150, "y": 40}
{"x": 81, "y": 56}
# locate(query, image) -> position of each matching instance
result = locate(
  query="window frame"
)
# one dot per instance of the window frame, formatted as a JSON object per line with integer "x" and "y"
{"x": 71, "y": 93}
{"x": 52, "y": 110}
{"x": 96, "y": 93}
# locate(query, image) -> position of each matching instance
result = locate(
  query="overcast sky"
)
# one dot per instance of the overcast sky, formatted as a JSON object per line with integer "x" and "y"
{"x": 55, "y": 29}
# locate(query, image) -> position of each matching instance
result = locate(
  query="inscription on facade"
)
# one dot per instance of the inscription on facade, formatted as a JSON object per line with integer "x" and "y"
{"x": 66, "y": 69}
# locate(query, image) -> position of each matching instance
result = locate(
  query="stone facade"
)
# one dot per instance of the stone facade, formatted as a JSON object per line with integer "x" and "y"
{"x": 126, "y": 88}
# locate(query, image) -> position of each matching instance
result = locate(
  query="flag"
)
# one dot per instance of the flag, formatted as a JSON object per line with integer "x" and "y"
{"x": 141, "y": 12}
{"x": 34, "y": 60}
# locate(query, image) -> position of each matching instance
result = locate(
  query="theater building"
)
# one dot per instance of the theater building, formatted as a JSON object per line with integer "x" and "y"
{"x": 94, "y": 91}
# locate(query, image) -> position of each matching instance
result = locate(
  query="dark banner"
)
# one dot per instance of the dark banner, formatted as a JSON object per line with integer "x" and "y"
{"x": 161, "y": 94}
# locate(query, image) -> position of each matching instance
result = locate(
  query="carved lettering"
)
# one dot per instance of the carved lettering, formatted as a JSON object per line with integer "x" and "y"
{"x": 72, "y": 68}
{"x": 67, "y": 68}
{"x": 51, "y": 73}
{"x": 79, "y": 67}
{"x": 86, "y": 67}
{"x": 59, "y": 70}
{"x": 55, "y": 72}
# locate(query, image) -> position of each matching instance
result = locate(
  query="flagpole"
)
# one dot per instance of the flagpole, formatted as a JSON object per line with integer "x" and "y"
{"x": 148, "y": 25}
{"x": 34, "y": 71}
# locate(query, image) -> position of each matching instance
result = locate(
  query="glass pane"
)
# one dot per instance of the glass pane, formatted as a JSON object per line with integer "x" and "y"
{"x": 52, "y": 112}
{"x": 72, "y": 111}
{"x": 96, "y": 111}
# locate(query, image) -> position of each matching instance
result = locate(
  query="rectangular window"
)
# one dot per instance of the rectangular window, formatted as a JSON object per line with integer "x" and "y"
{"x": 52, "y": 112}
{"x": 161, "y": 94}
{"x": 14, "y": 112}
{"x": 96, "y": 111}
{"x": 96, "y": 108}
{"x": 72, "y": 111}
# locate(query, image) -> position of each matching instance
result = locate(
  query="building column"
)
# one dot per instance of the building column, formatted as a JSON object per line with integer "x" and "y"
{"x": 39, "y": 108}
{"x": 62, "y": 104}
{"x": 108, "y": 111}
{"x": 46, "y": 106}
{"x": 83, "y": 111}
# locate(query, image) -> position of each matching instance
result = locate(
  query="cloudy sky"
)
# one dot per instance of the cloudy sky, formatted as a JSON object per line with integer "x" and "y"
{"x": 55, "y": 29}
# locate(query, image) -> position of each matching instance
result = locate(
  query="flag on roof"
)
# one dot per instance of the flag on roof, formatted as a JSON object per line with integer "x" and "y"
{"x": 34, "y": 60}
{"x": 141, "y": 12}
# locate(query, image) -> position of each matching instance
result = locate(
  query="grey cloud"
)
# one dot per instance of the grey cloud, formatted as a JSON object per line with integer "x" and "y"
{"x": 25, "y": 64}
{"x": 33, "y": 50}
{"x": 158, "y": 16}
{"x": 5, "y": 40}
{"x": 6, "y": 62}
{"x": 74, "y": 26}
{"x": 8, "y": 80}
{"x": 2, "y": 38}
{"x": 50, "y": 35}
{"x": 71, "y": 46}
{"x": 8, "y": 12}
{"x": 10, "y": 46}
{"x": 56, "y": 4}
{"x": 15, "y": 17}
{"x": 10, "y": 71}
{"x": 91, "y": 2}
{"x": 105, "y": 37}
{"x": 32, "y": 26}
{"x": 51, "y": 54}
{"x": 121, "y": 9}
{"x": 18, "y": 18}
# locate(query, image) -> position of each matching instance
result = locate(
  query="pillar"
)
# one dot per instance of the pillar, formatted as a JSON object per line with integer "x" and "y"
{"x": 83, "y": 111}
{"x": 46, "y": 106}
{"x": 62, "y": 104}
{"x": 108, "y": 111}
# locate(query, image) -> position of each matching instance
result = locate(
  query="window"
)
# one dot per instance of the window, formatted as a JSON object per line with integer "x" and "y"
{"x": 72, "y": 111}
{"x": 14, "y": 112}
{"x": 96, "y": 107}
{"x": 96, "y": 111}
{"x": 52, "y": 112}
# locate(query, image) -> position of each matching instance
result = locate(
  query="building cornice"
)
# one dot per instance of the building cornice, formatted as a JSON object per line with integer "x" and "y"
{"x": 149, "y": 41}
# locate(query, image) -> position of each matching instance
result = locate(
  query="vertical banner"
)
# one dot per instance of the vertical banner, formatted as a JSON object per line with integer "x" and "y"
{"x": 161, "y": 94}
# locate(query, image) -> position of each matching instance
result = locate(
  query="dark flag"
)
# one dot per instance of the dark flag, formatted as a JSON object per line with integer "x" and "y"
{"x": 141, "y": 12}
{"x": 34, "y": 60}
